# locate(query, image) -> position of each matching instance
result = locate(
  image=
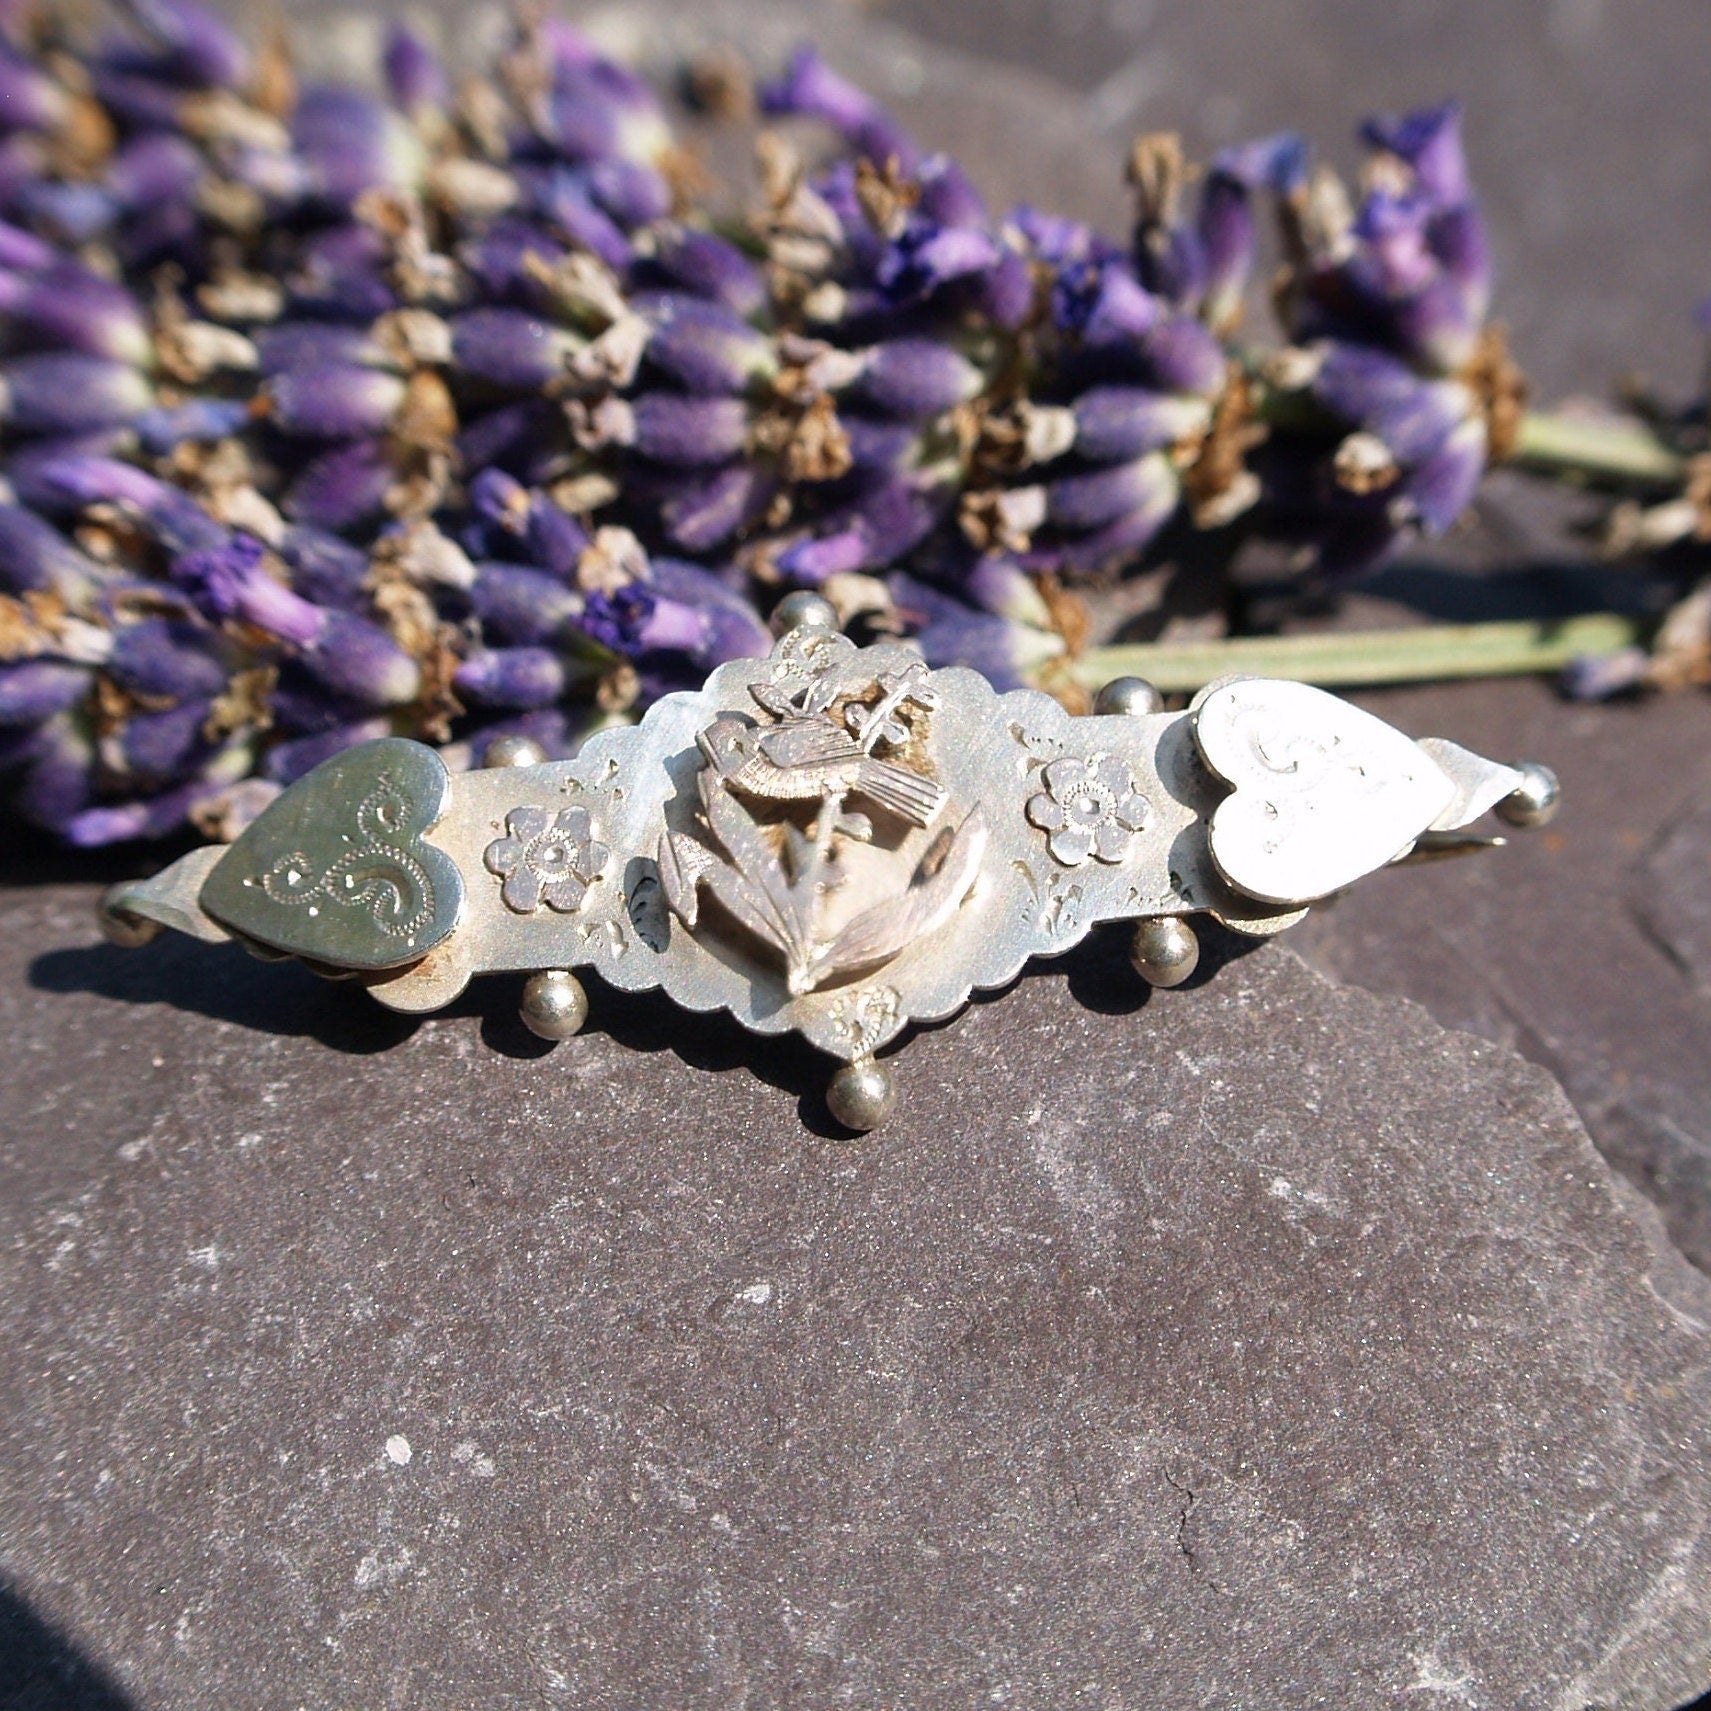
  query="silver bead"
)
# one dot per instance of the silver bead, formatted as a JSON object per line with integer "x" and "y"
{"x": 862, "y": 1095}
{"x": 1165, "y": 951}
{"x": 803, "y": 609}
{"x": 121, "y": 927}
{"x": 554, "y": 1005}
{"x": 1133, "y": 695}
{"x": 1535, "y": 800}
{"x": 514, "y": 749}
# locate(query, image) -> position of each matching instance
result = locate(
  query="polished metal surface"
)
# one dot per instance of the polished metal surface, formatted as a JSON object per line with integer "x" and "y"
{"x": 834, "y": 839}
{"x": 1164, "y": 950}
{"x": 1128, "y": 695}
{"x": 862, "y": 1095}
{"x": 1534, "y": 801}
{"x": 803, "y": 609}
{"x": 554, "y": 1005}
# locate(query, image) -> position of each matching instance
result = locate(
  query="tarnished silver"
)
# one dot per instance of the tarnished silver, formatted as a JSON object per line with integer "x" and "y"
{"x": 1164, "y": 950}
{"x": 862, "y": 1095}
{"x": 1533, "y": 802}
{"x": 554, "y": 1005}
{"x": 834, "y": 840}
{"x": 803, "y": 609}
{"x": 1129, "y": 695}
{"x": 514, "y": 749}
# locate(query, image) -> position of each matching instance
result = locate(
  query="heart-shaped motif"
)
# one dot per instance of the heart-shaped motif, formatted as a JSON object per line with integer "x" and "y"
{"x": 336, "y": 869}
{"x": 1321, "y": 792}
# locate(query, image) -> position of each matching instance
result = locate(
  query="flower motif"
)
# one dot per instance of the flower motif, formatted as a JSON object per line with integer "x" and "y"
{"x": 546, "y": 858}
{"x": 1090, "y": 808}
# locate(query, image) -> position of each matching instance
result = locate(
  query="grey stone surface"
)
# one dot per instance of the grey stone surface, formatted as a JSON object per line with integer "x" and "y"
{"x": 1053, "y": 1384}
{"x": 1258, "y": 1344}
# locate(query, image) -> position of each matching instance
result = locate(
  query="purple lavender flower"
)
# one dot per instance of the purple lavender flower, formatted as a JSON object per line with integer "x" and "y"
{"x": 810, "y": 89}
{"x": 350, "y": 655}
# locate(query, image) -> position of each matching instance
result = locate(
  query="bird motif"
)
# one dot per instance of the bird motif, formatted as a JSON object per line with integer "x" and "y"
{"x": 804, "y": 759}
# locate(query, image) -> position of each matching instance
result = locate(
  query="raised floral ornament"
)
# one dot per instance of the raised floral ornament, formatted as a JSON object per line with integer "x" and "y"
{"x": 546, "y": 858}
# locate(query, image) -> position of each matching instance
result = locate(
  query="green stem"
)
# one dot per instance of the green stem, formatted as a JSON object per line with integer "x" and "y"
{"x": 1603, "y": 452}
{"x": 1344, "y": 658}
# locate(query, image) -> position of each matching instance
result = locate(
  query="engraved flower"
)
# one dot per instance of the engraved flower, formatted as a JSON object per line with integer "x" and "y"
{"x": 1090, "y": 808}
{"x": 546, "y": 858}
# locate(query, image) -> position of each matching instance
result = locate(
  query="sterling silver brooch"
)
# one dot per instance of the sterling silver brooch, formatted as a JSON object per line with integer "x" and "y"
{"x": 834, "y": 840}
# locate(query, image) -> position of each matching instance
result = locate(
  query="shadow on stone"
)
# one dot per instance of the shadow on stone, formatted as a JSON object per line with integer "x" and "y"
{"x": 41, "y": 1670}
{"x": 225, "y": 984}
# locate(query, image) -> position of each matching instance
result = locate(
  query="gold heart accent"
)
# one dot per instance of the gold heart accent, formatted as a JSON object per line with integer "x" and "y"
{"x": 336, "y": 869}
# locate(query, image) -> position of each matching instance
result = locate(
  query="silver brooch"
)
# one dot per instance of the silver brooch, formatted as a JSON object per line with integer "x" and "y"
{"x": 834, "y": 840}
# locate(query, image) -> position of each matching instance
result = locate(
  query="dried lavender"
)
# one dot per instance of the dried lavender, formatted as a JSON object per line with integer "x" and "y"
{"x": 328, "y": 413}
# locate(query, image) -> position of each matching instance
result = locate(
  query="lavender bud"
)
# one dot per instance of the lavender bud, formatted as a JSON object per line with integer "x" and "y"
{"x": 298, "y": 756}
{"x": 885, "y": 523}
{"x": 916, "y": 378}
{"x": 517, "y": 678}
{"x": 168, "y": 513}
{"x": 949, "y": 633}
{"x": 704, "y": 347}
{"x": 415, "y": 77}
{"x": 1429, "y": 142}
{"x": 1439, "y": 488}
{"x": 59, "y": 774}
{"x": 632, "y": 193}
{"x": 200, "y": 48}
{"x": 153, "y": 169}
{"x": 333, "y": 401}
{"x": 33, "y": 690}
{"x": 65, "y": 392}
{"x": 925, "y": 257}
{"x": 159, "y": 430}
{"x": 1225, "y": 224}
{"x": 1116, "y": 423}
{"x": 701, "y": 513}
{"x": 511, "y": 349}
{"x": 1005, "y": 294}
{"x": 323, "y": 568}
{"x": 810, "y": 89}
{"x": 685, "y": 433}
{"x": 342, "y": 489}
{"x": 564, "y": 199}
{"x": 313, "y": 344}
{"x": 350, "y": 143}
{"x": 347, "y": 653}
{"x": 735, "y": 629}
{"x": 706, "y": 264}
{"x": 592, "y": 116}
{"x": 77, "y": 310}
{"x": 1102, "y": 304}
{"x": 164, "y": 744}
{"x": 34, "y": 555}
{"x": 167, "y": 657}
{"x": 1080, "y": 503}
{"x": 1599, "y": 677}
{"x": 24, "y": 251}
{"x": 517, "y": 605}
{"x": 30, "y": 100}
{"x": 635, "y": 620}
{"x": 511, "y": 436}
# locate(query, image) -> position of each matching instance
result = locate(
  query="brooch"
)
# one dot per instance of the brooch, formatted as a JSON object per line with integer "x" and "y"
{"x": 835, "y": 840}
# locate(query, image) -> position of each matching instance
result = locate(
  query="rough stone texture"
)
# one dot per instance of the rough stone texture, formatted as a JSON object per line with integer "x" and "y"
{"x": 1259, "y": 1345}
{"x": 1053, "y": 1383}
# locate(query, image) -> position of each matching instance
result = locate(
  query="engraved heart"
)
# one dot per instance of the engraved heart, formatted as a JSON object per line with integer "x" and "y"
{"x": 336, "y": 869}
{"x": 1321, "y": 792}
